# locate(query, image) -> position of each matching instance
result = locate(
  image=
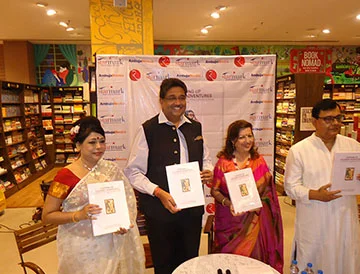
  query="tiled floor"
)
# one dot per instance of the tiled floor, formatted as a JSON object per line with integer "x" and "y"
{"x": 46, "y": 256}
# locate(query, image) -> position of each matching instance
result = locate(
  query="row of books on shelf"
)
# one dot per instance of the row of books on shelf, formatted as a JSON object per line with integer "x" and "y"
{"x": 31, "y": 109}
{"x": 9, "y": 97}
{"x": 17, "y": 161}
{"x": 279, "y": 178}
{"x": 40, "y": 164}
{"x": 281, "y": 150}
{"x": 66, "y": 109}
{"x": 38, "y": 152}
{"x": 32, "y": 121}
{"x": 2, "y": 170}
{"x": 49, "y": 139}
{"x": 286, "y": 93}
{"x": 16, "y": 149}
{"x": 47, "y": 124}
{"x": 63, "y": 158}
{"x": 286, "y": 107}
{"x": 5, "y": 185}
{"x": 63, "y": 129}
{"x": 11, "y": 124}
{"x": 349, "y": 106}
{"x": 285, "y": 122}
{"x": 22, "y": 174}
{"x": 67, "y": 97}
{"x": 66, "y": 119}
{"x": 60, "y": 148}
{"x": 46, "y": 110}
{"x": 30, "y": 96}
{"x": 14, "y": 137}
{"x": 10, "y": 111}
{"x": 285, "y": 138}
{"x": 63, "y": 139}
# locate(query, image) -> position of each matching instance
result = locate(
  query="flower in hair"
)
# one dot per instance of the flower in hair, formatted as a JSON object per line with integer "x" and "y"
{"x": 74, "y": 130}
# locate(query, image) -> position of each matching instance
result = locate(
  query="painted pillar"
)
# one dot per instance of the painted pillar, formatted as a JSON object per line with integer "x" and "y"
{"x": 116, "y": 30}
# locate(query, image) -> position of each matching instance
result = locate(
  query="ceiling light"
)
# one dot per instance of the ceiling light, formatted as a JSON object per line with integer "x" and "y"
{"x": 64, "y": 24}
{"x": 311, "y": 36}
{"x": 204, "y": 31}
{"x": 69, "y": 29}
{"x": 221, "y": 8}
{"x": 208, "y": 27}
{"x": 215, "y": 15}
{"x": 41, "y": 4}
{"x": 358, "y": 17}
{"x": 327, "y": 31}
{"x": 51, "y": 12}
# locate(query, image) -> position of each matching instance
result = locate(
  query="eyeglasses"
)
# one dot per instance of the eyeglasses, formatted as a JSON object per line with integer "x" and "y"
{"x": 173, "y": 99}
{"x": 331, "y": 119}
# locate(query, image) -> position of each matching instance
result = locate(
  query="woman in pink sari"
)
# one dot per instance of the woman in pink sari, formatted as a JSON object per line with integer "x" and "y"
{"x": 257, "y": 234}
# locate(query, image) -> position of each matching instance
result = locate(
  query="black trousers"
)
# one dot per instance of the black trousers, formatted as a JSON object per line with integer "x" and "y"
{"x": 173, "y": 242}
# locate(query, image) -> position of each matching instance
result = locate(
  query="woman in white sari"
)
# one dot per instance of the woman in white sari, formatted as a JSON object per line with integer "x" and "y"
{"x": 67, "y": 205}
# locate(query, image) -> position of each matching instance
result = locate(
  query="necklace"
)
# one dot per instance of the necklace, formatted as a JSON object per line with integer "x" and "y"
{"x": 85, "y": 166}
{"x": 244, "y": 163}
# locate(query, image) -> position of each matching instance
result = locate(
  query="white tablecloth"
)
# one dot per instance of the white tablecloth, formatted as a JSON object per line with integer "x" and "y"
{"x": 210, "y": 264}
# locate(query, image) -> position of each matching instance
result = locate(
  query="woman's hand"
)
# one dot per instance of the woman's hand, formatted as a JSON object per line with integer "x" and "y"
{"x": 89, "y": 211}
{"x": 122, "y": 230}
{"x": 233, "y": 211}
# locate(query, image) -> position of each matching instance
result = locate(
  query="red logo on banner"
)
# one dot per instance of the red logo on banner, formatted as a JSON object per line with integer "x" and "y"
{"x": 210, "y": 208}
{"x": 239, "y": 61}
{"x": 211, "y": 75}
{"x": 164, "y": 61}
{"x": 134, "y": 74}
{"x": 310, "y": 60}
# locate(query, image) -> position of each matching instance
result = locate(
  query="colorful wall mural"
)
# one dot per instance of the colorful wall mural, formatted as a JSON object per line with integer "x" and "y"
{"x": 62, "y": 65}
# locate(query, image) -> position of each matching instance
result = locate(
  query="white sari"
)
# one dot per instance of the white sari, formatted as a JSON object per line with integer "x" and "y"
{"x": 80, "y": 252}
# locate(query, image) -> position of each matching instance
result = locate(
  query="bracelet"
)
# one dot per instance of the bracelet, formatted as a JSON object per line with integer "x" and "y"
{"x": 156, "y": 191}
{"x": 223, "y": 201}
{"x": 74, "y": 220}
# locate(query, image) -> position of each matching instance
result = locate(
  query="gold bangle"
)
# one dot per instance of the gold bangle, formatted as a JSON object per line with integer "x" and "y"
{"x": 74, "y": 220}
{"x": 223, "y": 201}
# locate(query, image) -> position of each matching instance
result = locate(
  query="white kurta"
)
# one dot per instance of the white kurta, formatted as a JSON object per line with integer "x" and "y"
{"x": 326, "y": 233}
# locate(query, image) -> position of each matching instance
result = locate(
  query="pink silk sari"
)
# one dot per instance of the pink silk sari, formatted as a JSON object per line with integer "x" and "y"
{"x": 258, "y": 235}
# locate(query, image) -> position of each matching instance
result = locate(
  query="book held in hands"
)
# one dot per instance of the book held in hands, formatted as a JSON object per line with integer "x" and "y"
{"x": 111, "y": 197}
{"x": 242, "y": 189}
{"x": 185, "y": 184}
{"x": 346, "y": 167}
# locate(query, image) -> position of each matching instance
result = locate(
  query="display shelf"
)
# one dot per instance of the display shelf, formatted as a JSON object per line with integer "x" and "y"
{"x": 21, "y": 136}
{"x": 293, "y": 92}
{"x": 68, "y": 107}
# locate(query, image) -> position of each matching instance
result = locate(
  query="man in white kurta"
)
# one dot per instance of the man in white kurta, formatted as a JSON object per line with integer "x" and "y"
{"x": 327, "y": 225}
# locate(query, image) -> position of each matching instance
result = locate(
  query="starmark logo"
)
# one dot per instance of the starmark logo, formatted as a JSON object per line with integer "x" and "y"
{"x": 110, "y": 91}
{"x": 263, "y": 143}
{"x": 260, "y": 116}
{"x": 112, "y": 120}
{"x": 260, "y": 89}
{"x": 114, "y": 147}
{"x": 155, "y": 76}
{"x": 109, "y": 61}
{"x": 261, "y": 61}
{"x": 187, "y": 62}
{"x": 233, "y": 76}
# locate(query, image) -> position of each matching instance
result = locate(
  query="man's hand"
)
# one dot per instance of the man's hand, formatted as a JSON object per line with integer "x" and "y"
{"x": 323, "y": 194}
{"x": 167, "y": 200}
{"x": 206, "y": 176}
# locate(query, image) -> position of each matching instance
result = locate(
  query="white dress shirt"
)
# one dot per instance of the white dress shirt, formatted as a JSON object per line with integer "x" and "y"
{"x": 136, "y": 167}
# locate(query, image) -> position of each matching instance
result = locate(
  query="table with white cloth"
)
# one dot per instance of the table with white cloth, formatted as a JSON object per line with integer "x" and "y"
{"x": 224, "y": 263}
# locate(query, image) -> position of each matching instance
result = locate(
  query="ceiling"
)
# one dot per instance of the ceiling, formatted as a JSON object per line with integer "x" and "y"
{"x": 179, "y": 22}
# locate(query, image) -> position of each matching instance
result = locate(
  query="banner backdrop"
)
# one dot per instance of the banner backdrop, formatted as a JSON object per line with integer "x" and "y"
{"x": 221, "y": 89}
